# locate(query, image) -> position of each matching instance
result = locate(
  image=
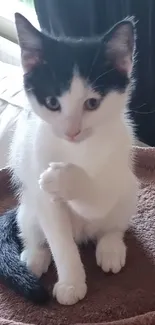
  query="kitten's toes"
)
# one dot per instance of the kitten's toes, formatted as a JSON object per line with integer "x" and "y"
{"x": 58, "y": 181}
{"x": 69, "y": 293}
{"x": 46, "y": 181}
{"x": 111, "y": 253}
{"x": 51, "y": 180}
{"x": 37, "y": 261}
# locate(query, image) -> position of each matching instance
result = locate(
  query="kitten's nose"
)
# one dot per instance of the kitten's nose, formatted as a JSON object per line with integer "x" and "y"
{"x": 72, "y": 127}
{"x": 71, "y": 135}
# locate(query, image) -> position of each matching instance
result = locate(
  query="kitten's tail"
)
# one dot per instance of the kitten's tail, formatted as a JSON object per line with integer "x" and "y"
{"x": 13, "y": 273}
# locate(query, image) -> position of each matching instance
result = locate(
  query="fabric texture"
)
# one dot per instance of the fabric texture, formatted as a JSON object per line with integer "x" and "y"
{"x": 123, "y": 299}
{"x": 9, "y": 52}
{"x": 12, "y": 102}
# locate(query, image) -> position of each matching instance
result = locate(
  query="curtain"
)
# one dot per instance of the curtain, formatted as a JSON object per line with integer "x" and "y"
{"x": 91, "y": 17}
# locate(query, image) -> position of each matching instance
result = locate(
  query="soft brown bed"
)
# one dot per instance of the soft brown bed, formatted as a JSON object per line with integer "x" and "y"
{"x": 126, "y": 298}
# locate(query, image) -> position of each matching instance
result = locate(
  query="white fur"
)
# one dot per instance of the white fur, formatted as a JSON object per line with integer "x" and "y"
{"x": 74, "y": 190}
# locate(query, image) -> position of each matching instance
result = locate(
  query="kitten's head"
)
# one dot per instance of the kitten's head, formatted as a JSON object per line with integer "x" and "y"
{"x": 77, "y": 86}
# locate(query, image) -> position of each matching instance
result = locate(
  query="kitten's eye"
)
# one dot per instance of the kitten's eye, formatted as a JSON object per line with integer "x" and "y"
{"x": 92, "y": 104}
{"x": 52, "y": 103}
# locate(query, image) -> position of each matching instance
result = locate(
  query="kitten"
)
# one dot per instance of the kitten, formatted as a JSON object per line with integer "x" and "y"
{"x": 71, "y": 151}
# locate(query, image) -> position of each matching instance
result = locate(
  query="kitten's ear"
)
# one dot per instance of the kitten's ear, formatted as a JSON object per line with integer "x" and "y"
{"x": 120, "y": 45}
{"x": 30, "y": 41}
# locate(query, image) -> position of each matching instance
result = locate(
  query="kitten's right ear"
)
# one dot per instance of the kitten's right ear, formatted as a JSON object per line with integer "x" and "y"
{"x": 30, "y": 41}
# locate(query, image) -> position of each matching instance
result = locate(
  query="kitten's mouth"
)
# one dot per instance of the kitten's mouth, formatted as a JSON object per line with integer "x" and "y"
{"x": 80, "y": 136}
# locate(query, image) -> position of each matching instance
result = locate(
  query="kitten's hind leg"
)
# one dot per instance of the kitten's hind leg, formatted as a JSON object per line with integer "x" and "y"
{"x": 111, "y": 249}
{"x": 36, "y": 254}
{"x": 37, "y": 259}
{"x": 111, "y": 252}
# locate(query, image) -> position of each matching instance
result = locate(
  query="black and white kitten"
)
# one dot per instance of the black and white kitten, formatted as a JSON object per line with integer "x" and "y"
{"x": 71, "y": 151}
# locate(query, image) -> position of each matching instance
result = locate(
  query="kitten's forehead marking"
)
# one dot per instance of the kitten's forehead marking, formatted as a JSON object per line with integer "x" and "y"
{"x": 72, "y": 99}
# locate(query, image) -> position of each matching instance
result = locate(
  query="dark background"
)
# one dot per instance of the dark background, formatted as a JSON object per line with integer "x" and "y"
{"x": 91, "y": 17}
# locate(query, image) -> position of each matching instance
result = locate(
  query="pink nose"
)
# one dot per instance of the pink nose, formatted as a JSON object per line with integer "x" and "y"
{"x": 72, "y": 135}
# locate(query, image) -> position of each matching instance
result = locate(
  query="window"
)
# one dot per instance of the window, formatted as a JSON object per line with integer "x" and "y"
{"x": 27, "y": 2}
{"x": 8, "y": 8}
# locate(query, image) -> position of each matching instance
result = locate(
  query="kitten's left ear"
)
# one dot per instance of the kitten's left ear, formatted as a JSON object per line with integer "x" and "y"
{"x": 120, "y": 45}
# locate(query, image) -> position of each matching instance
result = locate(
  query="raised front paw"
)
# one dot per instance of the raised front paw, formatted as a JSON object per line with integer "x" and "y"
{"x": 69, "y": 293}
{"x": 59, "y": 181}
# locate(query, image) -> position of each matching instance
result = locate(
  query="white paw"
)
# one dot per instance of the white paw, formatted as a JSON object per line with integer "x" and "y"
{"x": 37, "y": 261}
{"x": 111, "y": 253}
{"x": 69, "y": 293}
{"x": 58, "y": 181}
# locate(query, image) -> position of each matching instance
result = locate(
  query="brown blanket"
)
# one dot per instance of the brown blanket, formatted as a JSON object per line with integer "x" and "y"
{"x": 123, "y": 299}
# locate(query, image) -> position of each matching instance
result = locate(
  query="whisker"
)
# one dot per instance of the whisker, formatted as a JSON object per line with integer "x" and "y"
{"x": 102, "y": 74}
{"x": 96, "y": 87}
{"x": 142, "y": 113}
{"x": 93, "y": 62}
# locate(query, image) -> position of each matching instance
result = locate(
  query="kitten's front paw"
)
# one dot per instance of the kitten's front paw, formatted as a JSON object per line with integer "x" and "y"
{"x": 69, "y": 293}
{"x": 58, "y": 181}
{"x": 111, "y": 253}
